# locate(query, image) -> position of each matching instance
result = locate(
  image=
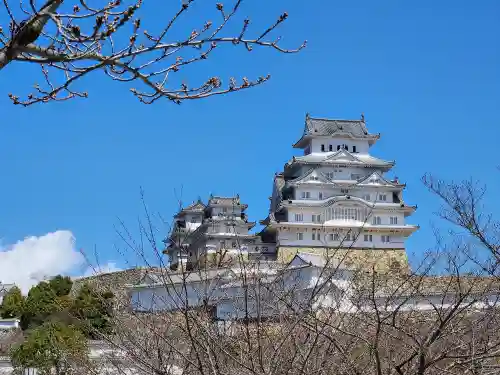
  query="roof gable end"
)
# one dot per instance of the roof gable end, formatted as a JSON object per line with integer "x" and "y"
{"x": 375, "y": 179}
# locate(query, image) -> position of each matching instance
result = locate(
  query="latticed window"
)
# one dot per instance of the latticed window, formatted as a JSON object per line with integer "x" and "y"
{"x": 377, "y": 220}
{"x": 346, "y": 213}
{"x": 299, "y": 217}
{"x": 394, "y": 220}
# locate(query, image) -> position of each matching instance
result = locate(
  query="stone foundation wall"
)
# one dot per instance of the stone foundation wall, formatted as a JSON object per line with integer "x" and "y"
{"x": 384, "y": 260}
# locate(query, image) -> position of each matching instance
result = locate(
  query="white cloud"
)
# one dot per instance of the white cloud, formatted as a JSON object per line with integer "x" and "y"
{"x": 106, "y": 268}
{"x": 33, "y": 259}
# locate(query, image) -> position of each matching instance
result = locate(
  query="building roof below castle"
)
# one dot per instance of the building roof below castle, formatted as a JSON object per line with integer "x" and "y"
{"x": 321, "y": 127}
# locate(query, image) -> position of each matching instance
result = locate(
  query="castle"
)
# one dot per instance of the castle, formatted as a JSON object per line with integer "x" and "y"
{"x": 334, "y": 196}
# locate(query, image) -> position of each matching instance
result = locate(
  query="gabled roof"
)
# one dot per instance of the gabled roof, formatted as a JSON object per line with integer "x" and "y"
{"x": 197, "y": 207}
{"x": 376, "y": 179}
{"x": 308, "y": 178}
{"x": 342, "y": 157}
{"x": 318, "y": 127}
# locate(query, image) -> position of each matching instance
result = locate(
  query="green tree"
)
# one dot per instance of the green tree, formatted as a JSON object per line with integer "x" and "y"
{"x": 40, "y": 304}
{"x": 94, "y": 311}
{"x": 12, "y": 304}
{"x": 61, "y": 285}
{"x": 52, "y": 347}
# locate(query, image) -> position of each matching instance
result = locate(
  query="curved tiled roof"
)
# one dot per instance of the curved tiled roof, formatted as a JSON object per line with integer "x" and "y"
{"x": 341, "y": 157}
{"x": 323, "y": 126}
{"x": 344, "y": 198}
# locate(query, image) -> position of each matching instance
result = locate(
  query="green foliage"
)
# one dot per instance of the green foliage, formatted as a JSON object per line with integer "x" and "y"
{"x": 93, "y": 311}
{"x": 90, "y": 311}
{"x": 61, "y": 285}
{"x": 53, "y": 346}
{"x": 12, "y": 304}
{"x": 40, "y": 304}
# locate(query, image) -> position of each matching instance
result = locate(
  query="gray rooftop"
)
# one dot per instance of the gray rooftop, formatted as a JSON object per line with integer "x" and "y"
{"x": 225, "y": 201}
{"x": 342, "y": 157}
{"x": 331, "y": 127}
{"x": 322, "y": 126}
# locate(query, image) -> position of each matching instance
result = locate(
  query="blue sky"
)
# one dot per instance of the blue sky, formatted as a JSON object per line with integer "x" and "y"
{"x": 425, "y": 74}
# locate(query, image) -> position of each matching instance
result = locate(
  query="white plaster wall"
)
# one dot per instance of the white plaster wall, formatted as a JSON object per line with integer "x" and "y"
{"x": 333, "y": 191}
{"x": 196, "y": 216}
{"x": 226, "y": 228}
{"x": 289, "y": 238}
{"x": 384, "y": 214}
{"x": 172, "y": 297}
{"x": 361, "y": 146}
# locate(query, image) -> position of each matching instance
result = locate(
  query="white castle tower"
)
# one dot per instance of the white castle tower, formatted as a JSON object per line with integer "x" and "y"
{"x": 204, "y": 235}
{"x": 336, "y": 196}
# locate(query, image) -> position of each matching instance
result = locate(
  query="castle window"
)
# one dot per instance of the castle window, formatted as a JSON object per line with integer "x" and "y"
{"x": 323, "y": 148}
{"x": 329, "y": 175}
{"x": 344, "y": 191}
{"x": 306, "y": 194}
{"x": 320, "y": 195}
{"x": 336, "y": 236}
{"x": 382, "y": 197}
{"x": 354, "y": 149}
{"x": 300, "y": 236}
{"x": 344, "y": 146}
{"x": 316, "y": 236}
{"x": 368, "y": 238}
{"x": 338, "y": 147}
{"x": 377, "y": 220}
{"x": 299, "y": 217}
{"x": 348, "y": 237}
{"x": 330, "y": 147}
{"x": 386, "y": 239}
{"x": 366, "y": 197}
{"x": 394, "y": 219}
{"x": 224, "y": 209}
{"x": 234, "y": 244}
{"x": 316, "y": 218}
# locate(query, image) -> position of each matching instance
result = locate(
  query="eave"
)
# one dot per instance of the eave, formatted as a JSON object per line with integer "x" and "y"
{"x": 344, "y": 198}
{"x": 365, "y": 227}
{"x": 385, "y": 167}
{"x": 304, "y": 140}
